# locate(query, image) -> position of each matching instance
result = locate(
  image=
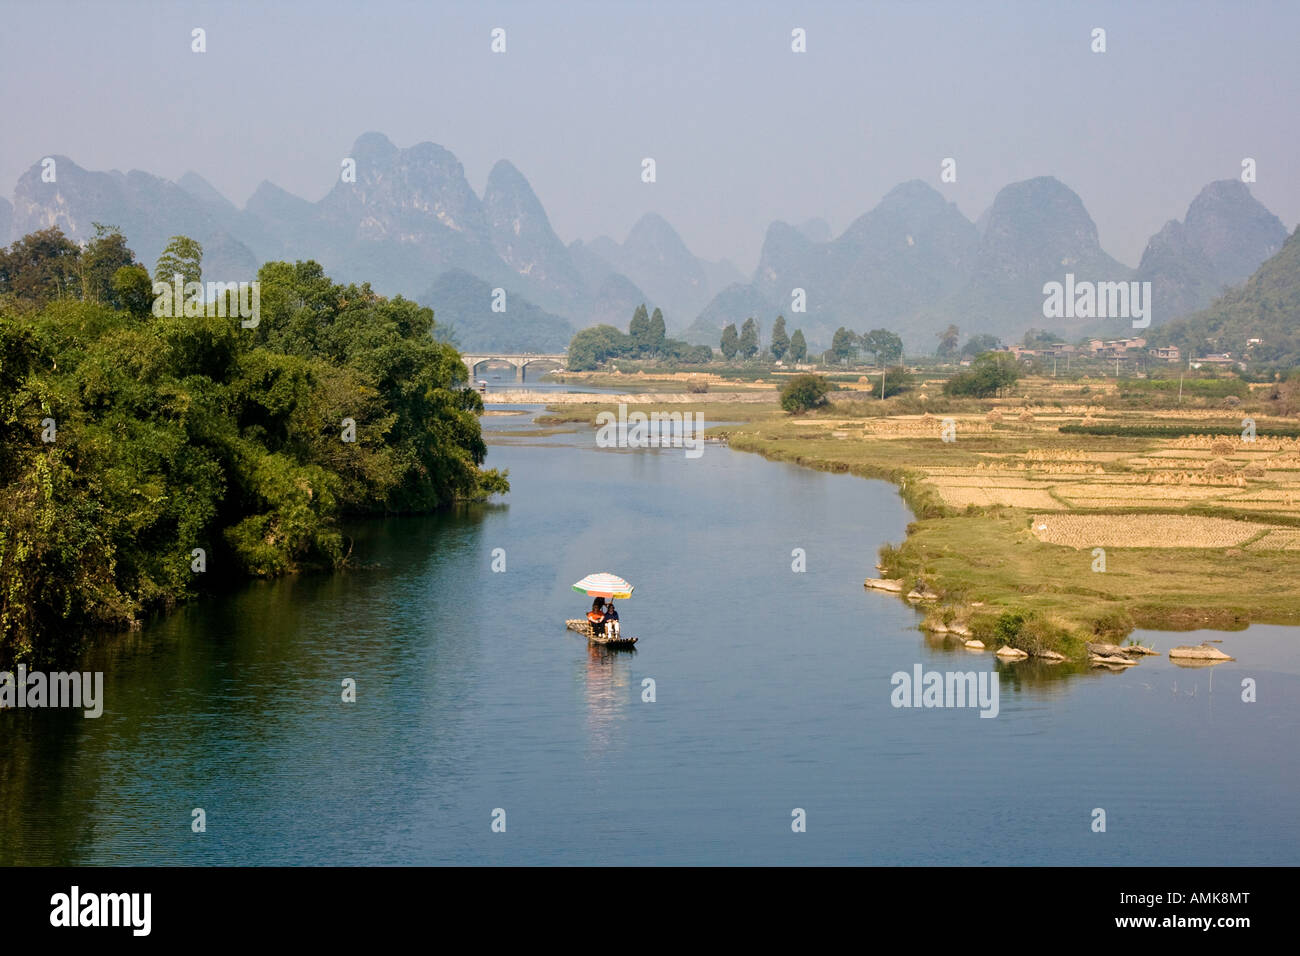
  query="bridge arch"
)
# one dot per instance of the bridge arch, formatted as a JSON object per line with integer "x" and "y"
{"x": 520, "y": 362}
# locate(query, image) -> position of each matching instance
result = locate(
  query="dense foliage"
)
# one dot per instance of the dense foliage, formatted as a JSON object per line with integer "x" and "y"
{"x": 645, "y": 339}
{"x": 798, "y": 347}
{"x": 989, "y": 374}
{"x": 137, "y": 450}
{"x": 804, "y": 392}
{"x": 884, "y": 346}
{"x": 896, "y": 381}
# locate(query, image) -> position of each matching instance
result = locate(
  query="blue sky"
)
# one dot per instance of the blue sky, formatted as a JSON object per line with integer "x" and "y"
{"x": 743, "y": 131}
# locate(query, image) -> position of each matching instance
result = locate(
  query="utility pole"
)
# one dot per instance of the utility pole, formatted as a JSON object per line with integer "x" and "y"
{"x": 882, "y": 384}
{"x": 1180, "y": 386}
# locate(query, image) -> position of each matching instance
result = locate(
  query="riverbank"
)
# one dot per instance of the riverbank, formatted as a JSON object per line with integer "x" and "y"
{"x": 1045, "y": 541}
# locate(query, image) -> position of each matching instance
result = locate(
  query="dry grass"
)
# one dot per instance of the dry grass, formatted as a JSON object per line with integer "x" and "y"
{"x": 1142, "y": 531}
{"x": 957, "y": 496}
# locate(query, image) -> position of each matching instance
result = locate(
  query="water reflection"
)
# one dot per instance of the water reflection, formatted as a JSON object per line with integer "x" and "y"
{"x": 607, "y": 678}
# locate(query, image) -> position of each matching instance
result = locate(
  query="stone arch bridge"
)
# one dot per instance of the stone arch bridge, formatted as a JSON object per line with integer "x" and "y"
{"x": 520, "y": 361}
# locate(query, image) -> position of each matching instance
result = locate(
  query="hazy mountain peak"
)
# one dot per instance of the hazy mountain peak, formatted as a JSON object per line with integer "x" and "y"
{"x": 1042, "y": 197}
{"x": 1233, "y": 229}
{"x": 816, "y": 229}
{"x": 505, "y": 175}
{"x": 407, "y": 195}
{"x": 913, "y": 190}
{"x": 1042, "y": 223}
{"x": 62, "y": 164}
{"x": 780, "y": 232}
{"x": 522, "y": 235}
{"x": 373, "y": 145}
{"x": 511, "y": 203}
{"x": 204, "y": 191}
{"x": 658, "y": 261}
{"x": 269, "y": 198}
{"x": 653, "y": 228}
{"x": 1225, "y": 236}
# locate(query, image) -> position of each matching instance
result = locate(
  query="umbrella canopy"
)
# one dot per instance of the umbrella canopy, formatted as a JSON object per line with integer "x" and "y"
{"x": 604, "y": 585}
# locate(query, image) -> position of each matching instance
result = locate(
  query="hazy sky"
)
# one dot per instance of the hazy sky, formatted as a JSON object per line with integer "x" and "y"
{"x": 743, "y": 130}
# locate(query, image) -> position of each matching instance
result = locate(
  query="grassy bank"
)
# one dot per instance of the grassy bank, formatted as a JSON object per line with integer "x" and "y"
{"x": 1043, "y": 539}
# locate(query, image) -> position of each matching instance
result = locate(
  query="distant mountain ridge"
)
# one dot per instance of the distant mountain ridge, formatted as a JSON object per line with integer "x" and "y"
{"x": 914, "y": 263}
{"x": 1224, "y": 237}
{"x": 409, "y": 218}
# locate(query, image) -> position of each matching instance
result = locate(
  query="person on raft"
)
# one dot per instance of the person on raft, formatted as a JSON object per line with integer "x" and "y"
{"x": 597, "y": 616}
{"x": 611, "y": 619}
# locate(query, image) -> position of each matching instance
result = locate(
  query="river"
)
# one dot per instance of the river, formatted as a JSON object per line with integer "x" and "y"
{"x": 771, "y": 686}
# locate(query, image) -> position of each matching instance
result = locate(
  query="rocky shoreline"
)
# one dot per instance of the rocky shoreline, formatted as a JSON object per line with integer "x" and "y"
{"x": 1098, "y": 654}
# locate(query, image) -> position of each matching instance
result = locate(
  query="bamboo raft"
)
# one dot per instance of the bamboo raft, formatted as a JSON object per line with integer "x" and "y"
{"x": 584, "y": 627}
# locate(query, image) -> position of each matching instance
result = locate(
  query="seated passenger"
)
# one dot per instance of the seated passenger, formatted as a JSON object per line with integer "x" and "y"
{"x": 597, "y": 616}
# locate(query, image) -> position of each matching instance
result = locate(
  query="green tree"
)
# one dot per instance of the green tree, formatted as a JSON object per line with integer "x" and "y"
{"x": 184, "y": 257}
{"x": 979, "y": 343}
{"x": 730, "y": 342}
{"x": 102, "y": 257}
{"x": 749, "y": 338}
{"x": 884, "y": 345}
{"x": 41, "y": 266}
{"x": 590, "y": 348}
{"x": 639, "y": 331}
{"x": 780, "y": 341}
{"x": 675, "y": 350}
{"x": 804, "y": 392}
{"x": 990, "y": 373}
{"x": 844, "y": 344}
{"x": 657, "y": 332}
{"x": 798, "y": 347}
{"x": 948, "y": 339}
{"x": 896, "y": 380}
{"x": 1040, "y": 338}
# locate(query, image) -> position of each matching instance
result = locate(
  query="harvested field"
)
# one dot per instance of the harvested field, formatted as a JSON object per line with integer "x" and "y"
{"x": 957, "y": 496}
{"x": 1281, "y": 539}
{"x": 1143, "y": 531}
{"x": 1157, "y": 493}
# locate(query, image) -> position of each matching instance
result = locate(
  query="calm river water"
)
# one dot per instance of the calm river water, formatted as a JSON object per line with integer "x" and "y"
{"x": 772, "y": 692}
